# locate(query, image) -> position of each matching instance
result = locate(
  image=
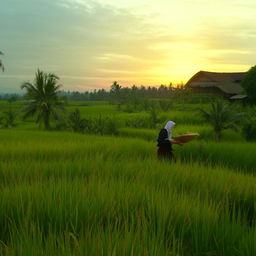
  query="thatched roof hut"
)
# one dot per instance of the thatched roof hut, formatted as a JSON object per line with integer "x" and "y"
{"x": 226, "y": 84}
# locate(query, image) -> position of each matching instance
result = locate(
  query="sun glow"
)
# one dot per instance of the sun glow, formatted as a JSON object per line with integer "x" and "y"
{"x": 90, "y": 44}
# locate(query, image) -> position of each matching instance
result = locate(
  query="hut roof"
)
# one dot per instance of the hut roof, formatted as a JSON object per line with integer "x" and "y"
{"x": 227, "y": 82}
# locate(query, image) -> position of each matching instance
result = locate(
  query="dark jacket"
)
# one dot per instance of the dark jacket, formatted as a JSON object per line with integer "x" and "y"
{"x": 162, "y": 139}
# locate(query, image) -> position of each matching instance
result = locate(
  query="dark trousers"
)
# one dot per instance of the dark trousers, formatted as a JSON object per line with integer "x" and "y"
{"x": 165, "y": 153}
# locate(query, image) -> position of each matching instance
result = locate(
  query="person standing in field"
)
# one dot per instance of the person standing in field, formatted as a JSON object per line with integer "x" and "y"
{"x": 165, "y": 142}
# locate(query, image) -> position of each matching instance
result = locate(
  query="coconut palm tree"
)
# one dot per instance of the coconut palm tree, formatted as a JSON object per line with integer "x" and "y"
{"x": 1, "y": 63}
{"x": 42, "y": 98}
{"x": 221, "y": 116}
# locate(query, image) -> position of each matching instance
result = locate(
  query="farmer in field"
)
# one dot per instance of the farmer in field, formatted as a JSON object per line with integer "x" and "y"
{"x": 165, "y": 142}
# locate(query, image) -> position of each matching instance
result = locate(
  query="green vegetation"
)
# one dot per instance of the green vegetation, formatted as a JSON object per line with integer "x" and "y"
{"x": 221, "y": 116}
{"x": 114, "y": 198}
{"x": 249, "y": 85}
{"x": 42, "y": 98}
{"x": 95, "y": 186}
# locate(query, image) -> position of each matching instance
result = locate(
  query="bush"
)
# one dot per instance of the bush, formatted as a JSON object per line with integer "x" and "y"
{"x": 111, "y": 126}
{"x": 104, "y": 125}
{"x": 249, "y": 131}
{"x": 7, "y": 120}
{"x": 78, "y": 124}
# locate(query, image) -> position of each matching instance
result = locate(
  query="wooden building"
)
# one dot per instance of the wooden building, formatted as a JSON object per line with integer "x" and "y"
{"x": 224, "y": 84}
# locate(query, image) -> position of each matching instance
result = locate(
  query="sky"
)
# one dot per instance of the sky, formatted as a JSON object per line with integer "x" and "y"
{"x": 91, "y": 43}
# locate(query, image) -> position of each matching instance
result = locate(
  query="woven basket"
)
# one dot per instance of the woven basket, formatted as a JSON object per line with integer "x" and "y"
{"x": 184, "y": 138}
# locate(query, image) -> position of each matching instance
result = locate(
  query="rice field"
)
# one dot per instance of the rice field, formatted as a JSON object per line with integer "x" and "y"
{"x": 64, "y": 193}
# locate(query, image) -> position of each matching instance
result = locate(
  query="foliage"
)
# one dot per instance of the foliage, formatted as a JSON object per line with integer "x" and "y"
{"x": 42, "y": 99}
{"x": 115, "y": 92}
{"x": 8, "y": 119}
{"x": 249, "y": 131}
{"x": 130, "y": 95}
{"x": 96, "y": 125}
{"x": 221, "y": 116}
{"x": 104, "y": 125}
{"x": 249, "y": 85}
{"x": 153, "y": 117}
{"x": 249, "y": 127}
{"x": 77, "y": 123}
{"x": 140, "y": 121}
{"x": 71, "y": 194}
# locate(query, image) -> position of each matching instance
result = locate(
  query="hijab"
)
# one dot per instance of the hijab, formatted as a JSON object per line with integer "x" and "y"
{"x": 169, "y": 125}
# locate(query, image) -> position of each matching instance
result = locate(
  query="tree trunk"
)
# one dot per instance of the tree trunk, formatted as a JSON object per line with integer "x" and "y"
{"x": 47, "y": 121}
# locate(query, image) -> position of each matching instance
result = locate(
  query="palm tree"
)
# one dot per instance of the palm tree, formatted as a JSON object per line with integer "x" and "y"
{"x": 221, "y": 116}
{"x": 42, "y": 98}
{"x": 115, "y": 91}
{"x": 1, "y": 63}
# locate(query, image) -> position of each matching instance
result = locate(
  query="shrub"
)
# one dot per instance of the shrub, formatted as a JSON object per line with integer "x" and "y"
{"x": 8, "y": 119}
{"x": 111, "y": 126}
{"x": 249, "y": 131}
{"x": 78, "y": 124}
{"x": 104, "y": 125}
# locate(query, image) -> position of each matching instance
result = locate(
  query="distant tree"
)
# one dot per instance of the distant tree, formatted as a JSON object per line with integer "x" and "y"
{"x": 221, "y": 116}
{"x": 249, "y": 85}
{"x": 115, "y": 91}
{"x": 1, "y": 63}
{"x": 42, "y": 98}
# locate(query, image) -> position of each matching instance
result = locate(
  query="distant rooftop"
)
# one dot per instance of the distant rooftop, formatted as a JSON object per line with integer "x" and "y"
{"x": 227, "y": 82}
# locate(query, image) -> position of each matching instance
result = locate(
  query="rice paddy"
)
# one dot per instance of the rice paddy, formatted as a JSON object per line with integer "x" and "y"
{"x": 64, "y": 193}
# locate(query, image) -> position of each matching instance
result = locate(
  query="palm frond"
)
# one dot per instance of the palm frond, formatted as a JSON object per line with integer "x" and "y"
{"x": 43, "y": 97}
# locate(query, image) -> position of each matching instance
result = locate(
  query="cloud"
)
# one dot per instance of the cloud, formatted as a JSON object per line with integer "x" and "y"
{"x": 91, "y": 43}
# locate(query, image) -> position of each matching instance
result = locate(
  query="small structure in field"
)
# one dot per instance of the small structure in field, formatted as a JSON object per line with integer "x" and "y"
{"x": 223, "y": 84}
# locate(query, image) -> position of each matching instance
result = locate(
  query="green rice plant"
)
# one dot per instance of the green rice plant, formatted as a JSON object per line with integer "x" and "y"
{"x": 182, "y": 117}
{"x": 205, "y": 133}
{"x": 147, "y": 134}
{"x": 139, "y": 121}
{"x": 236, "y": 155}
{"x": 115, "y": 198}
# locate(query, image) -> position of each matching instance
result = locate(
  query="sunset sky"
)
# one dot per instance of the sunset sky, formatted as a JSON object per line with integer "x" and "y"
{"x": 89, "y": 44}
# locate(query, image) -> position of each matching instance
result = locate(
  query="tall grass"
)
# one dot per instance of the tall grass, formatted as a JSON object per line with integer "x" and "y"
{"x": 71, "y": 194}
{"x": 235, "y": 155}
{"x": 206, "y": 133}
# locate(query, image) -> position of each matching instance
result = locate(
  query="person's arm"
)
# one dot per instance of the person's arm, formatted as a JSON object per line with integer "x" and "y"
{"x": 173, "y": 141}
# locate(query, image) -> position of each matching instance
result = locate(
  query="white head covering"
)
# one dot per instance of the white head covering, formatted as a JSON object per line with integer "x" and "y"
{"x": 169, "y": 125}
